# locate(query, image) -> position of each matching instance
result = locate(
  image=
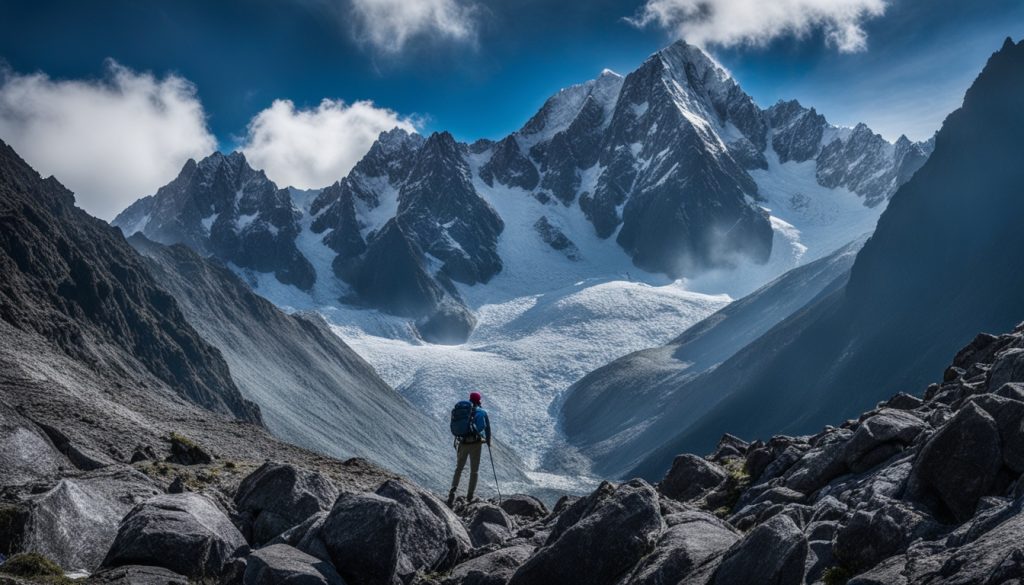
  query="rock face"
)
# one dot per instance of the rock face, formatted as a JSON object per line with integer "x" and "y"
{"x": 72, "y": 281}
{"x": 857, "y": 345}
{"x": 75, "y": 522}
{"x": 221, "y": 206}
{"x": 185, "y": 533}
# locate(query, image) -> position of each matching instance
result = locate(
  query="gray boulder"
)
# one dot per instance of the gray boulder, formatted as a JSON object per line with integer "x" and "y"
{"x": 390, "y": 535}
{"x": 774, "y": 553}
{"x": 493, "y": 568}
{"x": 693, "y": 538}
{"x": 282, "y": 564}
{"x": 691, "y": 477}
{"x": 614, "y": 533}
{"x": 880, "y": 436}
{"x": 869, "y": 537}
{"x": 489, "y": 524}
{"x": 278, "y": 496}
{"x": 820, "y": 465}
{"x": 524, "y": 507}
{"x": 27, "y": 454}
{"x": 1009, "y": 416}
{"x": 1008, "y": 367}
{"x": 185, "y": 533}
{"x": 137, "y": 575}
{"x": 959, "y": 463}
{"x": 75, "y": 522}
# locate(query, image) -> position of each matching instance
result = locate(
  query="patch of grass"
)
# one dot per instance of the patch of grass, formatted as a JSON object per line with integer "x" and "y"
{"x": 230, "y": 465}
{"x": 185, "y": 441}
{"x": 35, "y": 566}
{"x": 836, "y": 576}
{"x": 736, "y": 482}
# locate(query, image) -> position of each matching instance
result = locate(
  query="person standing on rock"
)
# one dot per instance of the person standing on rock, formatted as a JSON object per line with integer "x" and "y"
{"x": 472, "y": 429}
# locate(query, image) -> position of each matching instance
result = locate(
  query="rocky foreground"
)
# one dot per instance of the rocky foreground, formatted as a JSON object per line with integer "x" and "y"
{"x": 915, "y": 491}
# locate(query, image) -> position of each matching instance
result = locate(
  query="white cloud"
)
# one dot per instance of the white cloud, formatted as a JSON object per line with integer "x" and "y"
{"x": 110, "y": 141}
{"x": 756, "y": 22}
{"x": 388, "y": 25}
{"x": 315, "y": 147}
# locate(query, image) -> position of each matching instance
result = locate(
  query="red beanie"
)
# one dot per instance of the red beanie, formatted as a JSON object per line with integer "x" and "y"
{"x": 474, "y": 397}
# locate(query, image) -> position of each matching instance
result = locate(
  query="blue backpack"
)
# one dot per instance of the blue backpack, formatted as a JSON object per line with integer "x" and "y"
{"x": 464, "y": 420}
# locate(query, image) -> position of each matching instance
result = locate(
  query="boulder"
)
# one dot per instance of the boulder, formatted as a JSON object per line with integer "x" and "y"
{"x": 75, "y": 522}
{"x": 693, "y": 538}
{"x": 185, "y": 533}
{"x": 869, "y": 537}
{"x": 282, "y": 564}
{"x": 1009, "y": 417}
{"x": 904, "y": 401}
{"x": 819, "y": 466}
{"x": 137, "y": 575}
{"x": 524, "y": 507}
{"x": 615, "y": 532}
{"x": 774, "y": 553}
{"x": 1012, "y": 390}
{"x": 27, "y": 454}
{"x": 1008, "y": 367}
{"x": 691, "y": 477}
{"x": 389, "y": 536}
{"x": 489, "y": 524}
{"x": 493, "y": 568}
{"x": 889, "y": 427}
{"x": 959, "y": 463}
{"x": 279, "y": 496}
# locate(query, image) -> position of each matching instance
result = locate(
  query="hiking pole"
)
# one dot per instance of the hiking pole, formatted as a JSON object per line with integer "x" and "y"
{"x": 497, "y": 487}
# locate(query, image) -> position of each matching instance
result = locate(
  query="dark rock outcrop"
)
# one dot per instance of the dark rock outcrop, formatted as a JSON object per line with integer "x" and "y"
{"x": 282, "y": 564}
{"x": 279, "y": 496}
{"x": 390, "y": 535}
{"x": 185, "y": 533}
{"x": 612, "y": 533}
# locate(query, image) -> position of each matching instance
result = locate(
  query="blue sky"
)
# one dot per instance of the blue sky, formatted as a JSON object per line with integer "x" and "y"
{"x": 478, "y": 68}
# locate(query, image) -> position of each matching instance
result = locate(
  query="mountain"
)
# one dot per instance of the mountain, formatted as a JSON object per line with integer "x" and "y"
{"x": 603, "y": 411}
{"x": 221, "y": 206}
{"x": 314, "y": 391}
{"x": 941, "y": 264}
{"x": 674, "y": 164}
{"x": 72, "y": 284}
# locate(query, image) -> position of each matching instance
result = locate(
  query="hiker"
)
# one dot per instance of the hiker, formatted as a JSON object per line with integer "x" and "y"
{"x": 472, "y": 429}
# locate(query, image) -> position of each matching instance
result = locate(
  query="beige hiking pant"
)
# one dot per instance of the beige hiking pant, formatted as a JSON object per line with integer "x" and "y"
{"x": 471, "y": 451}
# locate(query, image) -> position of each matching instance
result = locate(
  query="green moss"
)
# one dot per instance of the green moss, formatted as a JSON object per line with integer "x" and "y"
{"x": 835, "y": 576}
{"x": 185, "y": 441}
{"x": 31, "y": 565}
{"x": 737, "y": 482}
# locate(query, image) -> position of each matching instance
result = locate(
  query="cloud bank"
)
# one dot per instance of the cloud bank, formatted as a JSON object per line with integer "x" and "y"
{"x": 388, "y": 25}
{"x": 110, "y": 140}
{"x": 756, "y": 22}
{"x": 315, "y": 147}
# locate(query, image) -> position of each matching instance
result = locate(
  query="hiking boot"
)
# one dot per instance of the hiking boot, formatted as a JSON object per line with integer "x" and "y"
{"x": 451, "y": 500}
